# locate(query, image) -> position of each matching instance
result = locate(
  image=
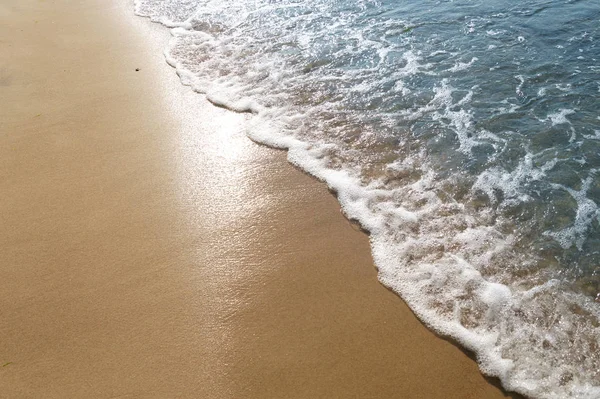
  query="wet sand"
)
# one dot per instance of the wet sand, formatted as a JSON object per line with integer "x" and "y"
{"x": 148, "y": 249}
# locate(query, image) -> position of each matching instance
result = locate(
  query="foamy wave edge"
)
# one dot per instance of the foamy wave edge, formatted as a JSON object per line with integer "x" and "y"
{"x": 353, "y": 196}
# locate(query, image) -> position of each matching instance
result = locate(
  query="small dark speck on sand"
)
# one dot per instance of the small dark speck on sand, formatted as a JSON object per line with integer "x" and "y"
{"x": 137, "y": 69}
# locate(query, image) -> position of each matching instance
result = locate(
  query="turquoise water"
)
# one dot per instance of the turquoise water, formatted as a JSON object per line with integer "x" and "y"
{"x": 464, "y": 135}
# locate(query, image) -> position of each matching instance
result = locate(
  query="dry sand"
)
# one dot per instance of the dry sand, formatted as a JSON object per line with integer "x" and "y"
{"x": 148, "y": 249}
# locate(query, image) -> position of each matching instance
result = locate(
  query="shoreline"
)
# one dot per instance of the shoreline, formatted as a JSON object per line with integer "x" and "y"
{"x": 152, "y": 250}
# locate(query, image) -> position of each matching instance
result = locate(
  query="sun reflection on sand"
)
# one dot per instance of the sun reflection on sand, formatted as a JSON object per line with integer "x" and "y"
{"x": 219, "y": 164}
{"x": 221, "y": 177}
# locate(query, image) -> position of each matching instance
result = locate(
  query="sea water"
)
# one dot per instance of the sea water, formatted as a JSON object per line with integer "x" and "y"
{"x": 463, "y": 135}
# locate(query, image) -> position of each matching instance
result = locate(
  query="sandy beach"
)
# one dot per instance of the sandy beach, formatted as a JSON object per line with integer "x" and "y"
{"x": 149, "y": 249}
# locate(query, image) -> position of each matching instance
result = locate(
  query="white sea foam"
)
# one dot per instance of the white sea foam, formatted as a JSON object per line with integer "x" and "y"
{"x": 461, "y": 66}
{"x": 595, "y": 136}
{"x": 511, "y": 184}
{"x": 587, "y": 213}
{"x": 560, "y": 117}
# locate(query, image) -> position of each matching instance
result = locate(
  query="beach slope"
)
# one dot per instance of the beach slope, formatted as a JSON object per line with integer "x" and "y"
{"x": 148, "y": 249}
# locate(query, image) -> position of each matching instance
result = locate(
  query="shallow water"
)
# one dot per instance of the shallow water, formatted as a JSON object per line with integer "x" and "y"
{"x": 464, "y": 135}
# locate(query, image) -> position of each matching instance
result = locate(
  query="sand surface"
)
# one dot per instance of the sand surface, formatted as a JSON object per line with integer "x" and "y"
{"x": 148, "y": 249}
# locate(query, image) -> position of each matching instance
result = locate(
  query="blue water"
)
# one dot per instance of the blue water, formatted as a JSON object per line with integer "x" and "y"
{"x": 464, "y": 135}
